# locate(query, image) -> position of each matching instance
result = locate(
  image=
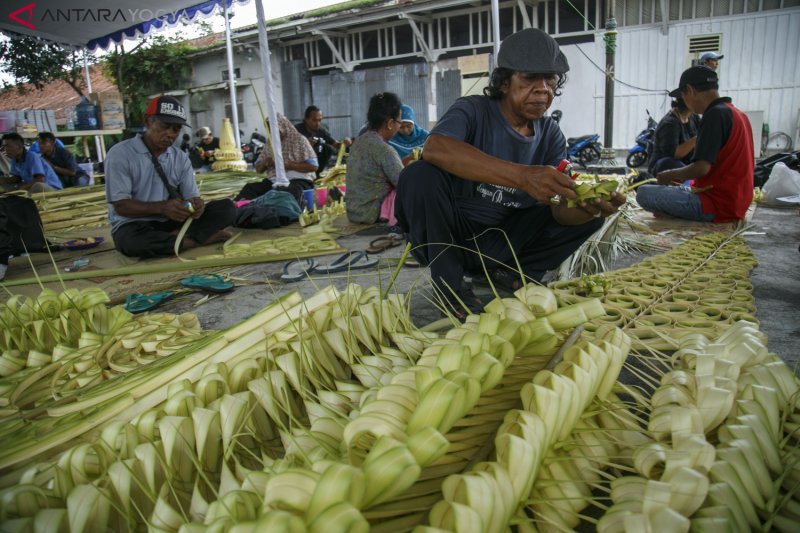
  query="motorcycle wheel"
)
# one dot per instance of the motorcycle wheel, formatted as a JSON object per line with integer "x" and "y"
{"x": 589, "y": 155}
{"x": 636, "y": 159}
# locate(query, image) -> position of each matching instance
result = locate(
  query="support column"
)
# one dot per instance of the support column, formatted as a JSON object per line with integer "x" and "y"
{"x": 231, "y": 75}
{"x": 495, "y": 33}
{"x": 610, "y": 40}
{"x": 98, "y": 148}
{"x": 272, "y": 115}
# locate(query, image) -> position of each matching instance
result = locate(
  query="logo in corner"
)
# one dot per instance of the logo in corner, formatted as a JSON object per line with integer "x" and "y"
{"x": 15, "y": 16}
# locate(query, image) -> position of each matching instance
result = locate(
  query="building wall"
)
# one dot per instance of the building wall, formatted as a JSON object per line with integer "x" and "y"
{"x": 208, "y": 71}
{"x": 759, "y": 71}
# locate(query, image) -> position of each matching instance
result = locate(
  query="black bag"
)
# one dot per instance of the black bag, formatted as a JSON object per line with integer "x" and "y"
{"x": 257, "y": 216}
{"x": 22, "y": 224}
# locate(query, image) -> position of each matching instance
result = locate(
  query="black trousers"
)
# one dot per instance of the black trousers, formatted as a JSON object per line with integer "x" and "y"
{"x": 150, "y": 238}
{"x": 440, "y": 214}
{"x": 20, "y": 227}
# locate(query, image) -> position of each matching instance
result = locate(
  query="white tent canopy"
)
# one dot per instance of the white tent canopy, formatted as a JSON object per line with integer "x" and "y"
{"x": 95, "y": 24}
{"x": 91, "y": 24}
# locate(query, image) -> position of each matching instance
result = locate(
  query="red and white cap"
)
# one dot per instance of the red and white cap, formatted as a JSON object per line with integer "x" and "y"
{"x": 167, "y": 109}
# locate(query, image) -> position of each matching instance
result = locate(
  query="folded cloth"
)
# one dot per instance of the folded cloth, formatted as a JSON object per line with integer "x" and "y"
{"x": 284, "y": 202}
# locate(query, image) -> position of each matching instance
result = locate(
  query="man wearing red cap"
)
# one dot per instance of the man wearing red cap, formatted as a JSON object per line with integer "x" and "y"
{"x": 151, "y": 190}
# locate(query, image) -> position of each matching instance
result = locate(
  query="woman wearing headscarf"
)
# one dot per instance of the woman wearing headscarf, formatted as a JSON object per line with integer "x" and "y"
{"x": 409, "y": 136}
{"x": 373, "y": 166}
{"x": 299, "y": 161}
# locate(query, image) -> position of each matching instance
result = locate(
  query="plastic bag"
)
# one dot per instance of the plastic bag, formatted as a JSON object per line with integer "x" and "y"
{"x": 782, "y": 181}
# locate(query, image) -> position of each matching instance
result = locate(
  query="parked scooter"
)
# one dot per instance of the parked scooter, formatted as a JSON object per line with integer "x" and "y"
{"x": 640, "y": 153}
{"x": 583, "y": 150}
{"x": 253, "y": 149}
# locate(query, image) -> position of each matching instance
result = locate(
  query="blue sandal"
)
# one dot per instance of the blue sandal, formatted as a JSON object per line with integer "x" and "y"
{"x": 207, "y": 282}
{"x": 297, "y": 269}
{"x": 139, "y": 303}
{"x": 348, "y": 261}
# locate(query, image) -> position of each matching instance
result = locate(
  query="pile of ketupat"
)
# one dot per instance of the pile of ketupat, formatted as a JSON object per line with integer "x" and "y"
{"x": 334, "y": 413}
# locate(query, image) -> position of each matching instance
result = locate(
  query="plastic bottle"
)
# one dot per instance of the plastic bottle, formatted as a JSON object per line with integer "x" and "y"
{"x": 87, "y": 115}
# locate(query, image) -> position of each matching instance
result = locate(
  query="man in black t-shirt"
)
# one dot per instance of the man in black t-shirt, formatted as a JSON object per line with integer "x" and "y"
{"x": 62, "y": 161}
{"x": 488, "y": 165}
{"x": 321, "y": 141}
{"x": 674, "y": 139}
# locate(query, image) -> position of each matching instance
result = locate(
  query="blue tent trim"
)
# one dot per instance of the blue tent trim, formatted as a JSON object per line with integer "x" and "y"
{"x": 202, "y": 10}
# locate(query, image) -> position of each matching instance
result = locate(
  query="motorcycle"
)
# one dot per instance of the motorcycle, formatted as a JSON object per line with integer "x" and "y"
{"x": 253, "y": 148}
{"x": 640, "y": 153}
{"x": 583, "y": 150}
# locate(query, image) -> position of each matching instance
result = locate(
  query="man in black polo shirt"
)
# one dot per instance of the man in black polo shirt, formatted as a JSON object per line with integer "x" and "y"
{"x": 62, "y": 161}
{"x": 321, "y": 141}
{"x": 722, "y": 166}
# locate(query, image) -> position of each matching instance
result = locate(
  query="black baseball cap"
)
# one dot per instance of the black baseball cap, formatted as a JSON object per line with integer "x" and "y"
{"x": 700, "y": 77}
{"x": 167, "y": 109}
{"x": 532, "y": 50}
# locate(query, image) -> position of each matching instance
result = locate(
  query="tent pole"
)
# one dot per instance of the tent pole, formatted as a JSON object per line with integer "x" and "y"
{"x": 263, "y": 45}
{"x": 89, "y": 91}
{"x": 231, "y": 75}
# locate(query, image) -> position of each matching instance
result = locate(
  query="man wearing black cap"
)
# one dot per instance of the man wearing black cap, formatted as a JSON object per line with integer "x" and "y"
{"x": 489, "y": 165}
{"x": 722, "y": 165}
{"x": 151, "y": 189}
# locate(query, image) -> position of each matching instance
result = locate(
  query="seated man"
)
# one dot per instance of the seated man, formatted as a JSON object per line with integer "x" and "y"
{"x": 205, "y": 148}
{"x": 489, "y": 165}
{"x": 151, "y": 190}
{"x": 321, "y": 141}
{"x": 722, "y": 167}
{"x": 62, "y": 161}
{"x": 28, "y": 171}
{"x": 674, "y": 139}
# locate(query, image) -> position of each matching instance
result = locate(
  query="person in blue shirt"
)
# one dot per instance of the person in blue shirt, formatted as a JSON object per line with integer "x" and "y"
{"x": 487, "y": 191}
{"x": 28, "y": 171}
{"x": 62, "y": 161}
{"x": 35, "y": 146}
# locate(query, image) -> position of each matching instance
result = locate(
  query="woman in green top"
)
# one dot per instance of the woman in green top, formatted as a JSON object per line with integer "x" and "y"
{"x": 373, "y": 166}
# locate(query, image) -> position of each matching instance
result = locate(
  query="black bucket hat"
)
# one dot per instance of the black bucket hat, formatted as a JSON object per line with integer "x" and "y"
{"x": 532, "y": 50}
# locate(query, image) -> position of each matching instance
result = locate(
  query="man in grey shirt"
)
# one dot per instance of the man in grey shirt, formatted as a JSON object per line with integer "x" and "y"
{"x": 145, "y": 212}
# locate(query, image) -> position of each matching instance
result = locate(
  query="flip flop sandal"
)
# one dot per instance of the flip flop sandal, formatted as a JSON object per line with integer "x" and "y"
{"x": 297, "y": 269}
{"x": 348, "y": 261}
{"x": 384, "y": 243}
{"x": 411, "y": 263}
{"x": 139, "y": 303}
{"x": 207, "y": 282}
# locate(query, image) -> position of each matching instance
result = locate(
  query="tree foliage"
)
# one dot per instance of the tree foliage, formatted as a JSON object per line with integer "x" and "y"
{"x": 39, "y": 62}
{"x": 162, "y": 66}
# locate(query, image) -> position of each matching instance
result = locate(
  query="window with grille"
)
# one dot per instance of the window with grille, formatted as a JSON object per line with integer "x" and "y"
{"x": 236, "y": 74}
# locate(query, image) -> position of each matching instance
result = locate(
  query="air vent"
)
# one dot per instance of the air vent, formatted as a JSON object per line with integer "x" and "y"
{"x": 699, "y": 44}
{"x": 705, "y": 43}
